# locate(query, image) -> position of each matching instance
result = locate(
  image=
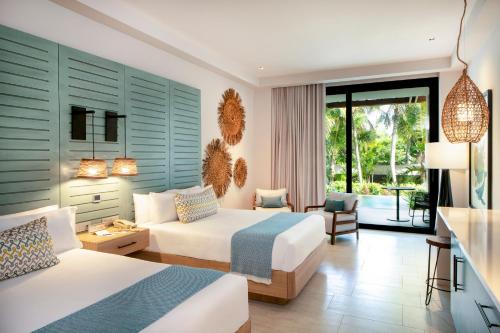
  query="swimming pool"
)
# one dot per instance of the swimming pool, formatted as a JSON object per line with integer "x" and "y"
{"x": 379, "y": 201}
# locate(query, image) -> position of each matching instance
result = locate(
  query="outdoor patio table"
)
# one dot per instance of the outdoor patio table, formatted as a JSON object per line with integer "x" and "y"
{"x": 398, "y": 189}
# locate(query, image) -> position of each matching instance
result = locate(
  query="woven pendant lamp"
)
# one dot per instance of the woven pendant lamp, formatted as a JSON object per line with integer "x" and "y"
{"x": 124, "y": 166}
{"x": 92, "y": 168}
{"x": 465, "y": 115}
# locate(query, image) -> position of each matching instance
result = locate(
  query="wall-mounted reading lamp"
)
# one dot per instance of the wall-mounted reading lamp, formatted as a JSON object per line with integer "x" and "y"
{"x": 121, "y": 166}
{"x": 89, "y": 168}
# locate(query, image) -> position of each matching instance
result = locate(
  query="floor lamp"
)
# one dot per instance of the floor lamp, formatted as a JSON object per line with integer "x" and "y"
{"x": 445, "y": 156}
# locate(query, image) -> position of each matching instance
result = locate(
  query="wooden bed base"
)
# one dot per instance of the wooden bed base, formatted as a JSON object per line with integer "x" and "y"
{"x": 285, "y": 286}
{"x": 245, "y": 328}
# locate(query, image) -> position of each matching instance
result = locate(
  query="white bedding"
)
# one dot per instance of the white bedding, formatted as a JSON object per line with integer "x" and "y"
{"x": 84, "y": 277}
{"x": 210, "y": 237}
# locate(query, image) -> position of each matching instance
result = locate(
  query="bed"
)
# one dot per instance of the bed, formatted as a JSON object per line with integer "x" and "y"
{"x": 206, "y": 243}
{"x": 84, "y": 277}
{"x": 49, "y": 284}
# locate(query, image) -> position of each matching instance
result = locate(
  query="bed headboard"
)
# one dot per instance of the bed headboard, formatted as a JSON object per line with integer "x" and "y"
{"x": 29, "y": 122}
{"x": 40, "y": 81}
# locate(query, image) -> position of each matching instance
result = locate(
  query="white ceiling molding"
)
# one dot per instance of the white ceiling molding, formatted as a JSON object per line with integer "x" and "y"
{"x": 429, "y": 66}
{"x": 160, "y": 24}
{"x": 121, "y": 17}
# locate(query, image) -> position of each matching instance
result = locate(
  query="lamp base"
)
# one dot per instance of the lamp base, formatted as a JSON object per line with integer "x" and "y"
{"x": 445, "y": 194}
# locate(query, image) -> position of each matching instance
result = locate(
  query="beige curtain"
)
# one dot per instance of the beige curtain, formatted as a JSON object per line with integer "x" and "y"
{"x": 298, "y": 143}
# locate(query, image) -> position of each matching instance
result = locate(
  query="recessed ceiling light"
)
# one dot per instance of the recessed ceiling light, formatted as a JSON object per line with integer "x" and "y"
{"x": 432, "y": 38}
{"x": 260, "y": 68}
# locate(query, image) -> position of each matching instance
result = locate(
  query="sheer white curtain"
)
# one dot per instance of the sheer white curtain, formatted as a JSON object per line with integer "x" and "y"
{"x": 298, "y": 143}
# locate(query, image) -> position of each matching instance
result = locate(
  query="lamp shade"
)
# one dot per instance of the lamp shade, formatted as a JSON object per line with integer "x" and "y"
{"x": 444, "y": 155}
{"x": 465, "y": 116}
{"x": 124, "y": 167}
{"x": 92, "y": 168}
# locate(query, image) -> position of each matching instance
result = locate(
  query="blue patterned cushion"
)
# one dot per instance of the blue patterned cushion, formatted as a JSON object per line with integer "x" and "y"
{"x": 194, "y": 206}
{"x": 25, "y": 249}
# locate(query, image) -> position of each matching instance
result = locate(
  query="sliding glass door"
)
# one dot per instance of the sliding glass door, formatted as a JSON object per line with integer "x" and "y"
{"x": 376, "y": 135}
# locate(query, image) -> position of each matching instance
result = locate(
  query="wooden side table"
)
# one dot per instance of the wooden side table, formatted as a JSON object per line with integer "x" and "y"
{"x": 121, "y": 242}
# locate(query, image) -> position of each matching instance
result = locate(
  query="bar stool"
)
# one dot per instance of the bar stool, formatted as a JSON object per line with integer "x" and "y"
{"x": 441, "y": 243}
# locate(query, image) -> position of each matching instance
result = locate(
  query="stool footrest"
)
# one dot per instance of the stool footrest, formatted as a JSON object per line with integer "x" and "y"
{"x": 431, "y": 286}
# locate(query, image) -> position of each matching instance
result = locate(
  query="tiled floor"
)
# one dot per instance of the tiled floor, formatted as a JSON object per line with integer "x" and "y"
{"x": 380, "y": 216}
{"x": 376, "y": 285}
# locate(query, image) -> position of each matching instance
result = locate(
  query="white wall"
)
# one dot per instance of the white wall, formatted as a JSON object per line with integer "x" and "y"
{"x": 48, "y": 20}
{"x": 484, "y": 69}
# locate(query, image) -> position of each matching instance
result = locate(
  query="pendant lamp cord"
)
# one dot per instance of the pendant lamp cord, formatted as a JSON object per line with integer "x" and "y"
{"x": 125, "y": 129}
{"x": 93, "y": 139}
{"x": 460, "y": 35}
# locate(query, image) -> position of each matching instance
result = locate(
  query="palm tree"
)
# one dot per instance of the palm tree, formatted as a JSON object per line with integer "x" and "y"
{"x": 363, "y": 133}
{"x": 335, "y": 140}
{"x": 390, "y": 120}
{"x": 357, "y": 153}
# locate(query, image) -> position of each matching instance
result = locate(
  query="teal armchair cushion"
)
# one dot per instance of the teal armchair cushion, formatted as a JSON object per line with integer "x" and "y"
{"x": 334, "y": 205}
{"x": 272, "y": 202}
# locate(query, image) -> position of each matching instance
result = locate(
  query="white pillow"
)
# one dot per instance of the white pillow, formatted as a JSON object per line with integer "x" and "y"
{"x": 163, "y": 207}
{"x": 142, "y": 208}
{"x": 259, "y": 193}
{"x": 30, "y": 212}
{"x": 189, "y": 190}
{"x": 60, "y": 223}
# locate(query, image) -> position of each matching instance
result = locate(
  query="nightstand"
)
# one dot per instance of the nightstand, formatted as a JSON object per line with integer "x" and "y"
{"x": 121, "y": 243}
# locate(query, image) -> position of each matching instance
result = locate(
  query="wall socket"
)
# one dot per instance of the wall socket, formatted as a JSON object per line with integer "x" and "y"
{"x": 96, "y": 198}
{"x": 81, "y": 227}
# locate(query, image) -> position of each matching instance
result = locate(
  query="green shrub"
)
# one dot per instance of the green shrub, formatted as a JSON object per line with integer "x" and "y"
{"x": 372, "y": 188}
{"x": 336, "y": 186}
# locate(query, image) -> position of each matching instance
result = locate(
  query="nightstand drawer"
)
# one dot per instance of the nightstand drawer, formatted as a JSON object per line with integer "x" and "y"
{"x": 126, "y": 244}
{"x": 121, "y": 244}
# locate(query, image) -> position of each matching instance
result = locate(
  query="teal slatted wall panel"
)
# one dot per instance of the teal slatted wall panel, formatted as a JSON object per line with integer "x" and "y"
{"x": 29, "y": 122}
{"x": 185, "y": 136}
{"x": 40, "y": 81}
{"x": 147, "y": 106}
{"x": 97, "y": 84}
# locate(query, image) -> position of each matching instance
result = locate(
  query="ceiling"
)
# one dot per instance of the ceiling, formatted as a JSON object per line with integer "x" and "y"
{"x": 291, "y": 36}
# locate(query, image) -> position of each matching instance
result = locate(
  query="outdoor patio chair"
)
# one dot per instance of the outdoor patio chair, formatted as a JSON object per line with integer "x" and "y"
{"x": 418, "y": 201}
{"x": 287, "y": 206}
{"x": 339, "y": 222}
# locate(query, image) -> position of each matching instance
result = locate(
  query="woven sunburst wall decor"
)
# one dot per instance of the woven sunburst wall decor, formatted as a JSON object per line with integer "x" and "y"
{"x": 217, "y": 167}
{"x": 240, "y": 172}
{"x": 231, "y": 117}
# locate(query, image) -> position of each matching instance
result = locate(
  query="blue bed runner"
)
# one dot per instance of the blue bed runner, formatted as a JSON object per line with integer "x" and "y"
{"x": 252, "y": 247}
{"x": 140, "y": 305}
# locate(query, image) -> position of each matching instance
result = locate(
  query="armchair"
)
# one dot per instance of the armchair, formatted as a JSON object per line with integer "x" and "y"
{"x": 339, "y": 222}
{"x": 257, "y": 200}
